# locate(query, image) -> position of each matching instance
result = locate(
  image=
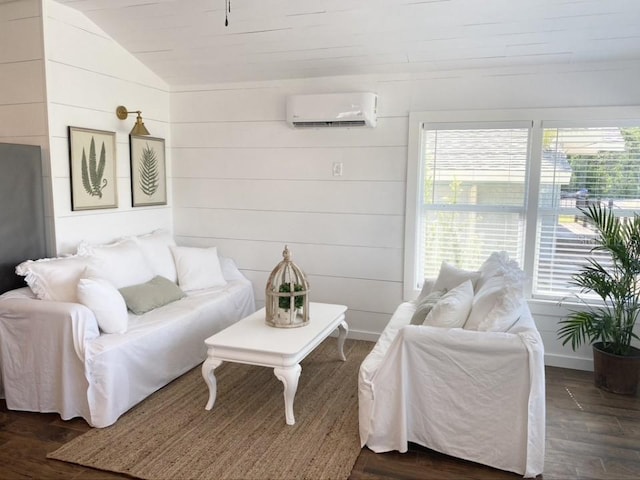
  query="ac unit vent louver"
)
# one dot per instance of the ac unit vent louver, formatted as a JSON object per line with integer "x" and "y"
{"x": 338, "y": 123}
{"x": 332, "y": 110}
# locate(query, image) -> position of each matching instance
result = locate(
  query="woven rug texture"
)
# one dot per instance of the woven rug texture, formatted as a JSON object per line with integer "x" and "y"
{"x": 171, "y": 436}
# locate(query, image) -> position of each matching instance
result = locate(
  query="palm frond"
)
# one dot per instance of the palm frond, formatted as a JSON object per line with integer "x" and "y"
{"x": 577, "y": 328}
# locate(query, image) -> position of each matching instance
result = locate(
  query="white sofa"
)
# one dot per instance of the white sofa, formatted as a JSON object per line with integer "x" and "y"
{"x": 474, "y": 390}
{"x": 55, "y": 350}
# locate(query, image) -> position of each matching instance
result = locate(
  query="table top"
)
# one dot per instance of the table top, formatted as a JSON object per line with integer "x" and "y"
{"x": 253, "y": 334}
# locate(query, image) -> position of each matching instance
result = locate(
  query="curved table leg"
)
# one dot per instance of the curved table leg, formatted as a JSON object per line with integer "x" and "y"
{"x": 289, "y": 377}
{"x": 342, "y": 335}
{"x": 209, "y": 365}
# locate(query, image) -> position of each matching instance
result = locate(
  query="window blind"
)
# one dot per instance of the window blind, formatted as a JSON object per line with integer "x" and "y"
{"x": 580, "y": 167}
{"x": 473, "y": 195}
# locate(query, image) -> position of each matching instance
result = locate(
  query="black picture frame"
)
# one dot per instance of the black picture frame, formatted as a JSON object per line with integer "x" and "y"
{"x": 148, "y": 171}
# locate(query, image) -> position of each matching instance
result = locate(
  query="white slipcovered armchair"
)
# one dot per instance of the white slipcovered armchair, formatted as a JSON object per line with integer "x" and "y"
{"x": 470, "y": 393}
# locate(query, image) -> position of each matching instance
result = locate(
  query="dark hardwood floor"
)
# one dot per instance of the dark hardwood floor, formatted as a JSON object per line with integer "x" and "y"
{"x": 591, "y": 434}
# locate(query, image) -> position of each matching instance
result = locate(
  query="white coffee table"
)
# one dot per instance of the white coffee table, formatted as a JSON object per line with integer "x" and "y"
{"x": 253, "y": 342}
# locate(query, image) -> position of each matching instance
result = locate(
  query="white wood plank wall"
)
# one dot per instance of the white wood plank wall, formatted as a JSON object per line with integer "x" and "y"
{"x": 88, "y": 76}
{"x": 23, "y": 101}
{"x": 247, "y": 183}
{"x": 22, "y": 81}
{"x": 241, "y": 178}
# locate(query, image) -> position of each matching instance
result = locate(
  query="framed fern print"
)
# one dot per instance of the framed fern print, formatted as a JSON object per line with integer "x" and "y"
{"x": 92, "y": 157}
{"x": 148, "y": 171}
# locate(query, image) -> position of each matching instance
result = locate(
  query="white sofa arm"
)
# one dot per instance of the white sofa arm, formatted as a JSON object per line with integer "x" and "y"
{"x": 45, "y": 323}
{"x": 42, "y": 353}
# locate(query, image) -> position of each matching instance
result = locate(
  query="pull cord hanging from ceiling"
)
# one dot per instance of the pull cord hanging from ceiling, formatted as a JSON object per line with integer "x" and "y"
{"x": 227, "y": 11}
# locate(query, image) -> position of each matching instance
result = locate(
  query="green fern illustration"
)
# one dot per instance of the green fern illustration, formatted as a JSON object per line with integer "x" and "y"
{"x": 92, "y": 173}
{"x": 148, "y": 170}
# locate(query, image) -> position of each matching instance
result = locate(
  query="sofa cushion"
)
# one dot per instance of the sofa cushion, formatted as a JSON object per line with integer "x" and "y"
{"x": 498, "y": 263}
{"x": 121, "y": 263}
{"x": 198, "y": 268}
{"x": 452, "y": 310}
{"x": 424, "y": 306}
{"x": 498, "y": 303}
{"x": 106, "y": 303}
{"x": 54, "y": 278}
{"x": 156, "y": 249}
{"x": 153, "y": 294}
{"x": 230, "y": 270}
{"x": 451, "y": 276}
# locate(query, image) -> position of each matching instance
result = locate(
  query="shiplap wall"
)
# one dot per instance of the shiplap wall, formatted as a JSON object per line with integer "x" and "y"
{"x": 88, "y": 75}
{"x": 247, "y": 183}
{"x": 23, "y": 101}
{"x": 22, "y": 80}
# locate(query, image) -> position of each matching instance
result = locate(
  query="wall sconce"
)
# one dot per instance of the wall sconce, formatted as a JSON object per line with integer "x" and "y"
{"x": 138, "y": 127}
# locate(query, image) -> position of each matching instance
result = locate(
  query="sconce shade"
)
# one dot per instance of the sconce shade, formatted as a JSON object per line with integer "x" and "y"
{"x": 138, "y": 127}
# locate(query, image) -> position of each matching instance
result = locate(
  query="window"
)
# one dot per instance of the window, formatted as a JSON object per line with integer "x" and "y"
{"x": 581, "y": 167}
{"x": 474, "y": 194}
{"x": 494, "y": 181}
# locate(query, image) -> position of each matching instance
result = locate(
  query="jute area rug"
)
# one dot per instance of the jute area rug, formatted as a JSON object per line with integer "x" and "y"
{"x": 171, "y": 436}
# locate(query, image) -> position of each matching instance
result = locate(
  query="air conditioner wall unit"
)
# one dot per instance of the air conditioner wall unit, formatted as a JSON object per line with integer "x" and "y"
{"x": 333, "y": 110}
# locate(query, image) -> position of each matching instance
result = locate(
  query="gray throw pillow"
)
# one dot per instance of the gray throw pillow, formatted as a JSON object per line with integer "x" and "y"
{"x": 425, "y": 305}
{"x": 155, "y": 293}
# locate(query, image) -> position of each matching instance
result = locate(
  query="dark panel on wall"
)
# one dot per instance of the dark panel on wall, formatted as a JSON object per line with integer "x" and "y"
{"x": 22, "y": 233}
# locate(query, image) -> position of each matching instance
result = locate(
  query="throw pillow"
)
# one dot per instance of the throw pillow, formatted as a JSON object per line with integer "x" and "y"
{"x": 106, "y": 303}
{"x": 498, "y": 263}
{"x": 498, "y": 303}
{"x": 198, "y": 268}
{"x": 424, "y": 306}
{"x": 427, "y": 288}
{"x": 121, "y": 263}
{"x": 54, "y": 278}
{"x": 451, "y": 276}
{"x": 452, "y": 310}
{"x": 230, "y": 270}
{"x": 155, "y": 248}
{"x": 147, "y": 296}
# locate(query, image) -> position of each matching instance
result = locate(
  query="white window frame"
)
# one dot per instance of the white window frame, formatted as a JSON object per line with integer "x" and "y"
{"x": 538, "y": 118}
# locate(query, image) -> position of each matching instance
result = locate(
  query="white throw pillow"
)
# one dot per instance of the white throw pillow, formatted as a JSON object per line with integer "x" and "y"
{"x": 230, "y": 270}
{"x": 498, "y": 303}
{"x": 155, "y": 248}
{"x": 452, "y": 310}
{"x": 106, "y": 303}
{"x": 54, "y": 278}
{"x": 451, "y": 276}
{"x": 121, "y": 263}
{"x": 197, "y": 268}
{"x": 498, "y": 263}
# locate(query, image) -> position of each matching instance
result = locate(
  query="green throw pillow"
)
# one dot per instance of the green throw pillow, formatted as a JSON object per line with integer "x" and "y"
{"x": 425, "y": 305}
{"x": 155, "y": 293}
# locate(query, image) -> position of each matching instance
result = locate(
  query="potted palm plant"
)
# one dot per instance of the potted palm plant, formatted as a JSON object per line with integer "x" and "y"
{"x": 609, "y": 324}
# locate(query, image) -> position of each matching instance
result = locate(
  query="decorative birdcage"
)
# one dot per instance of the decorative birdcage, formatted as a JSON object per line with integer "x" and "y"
{"x": 287, "y": 295}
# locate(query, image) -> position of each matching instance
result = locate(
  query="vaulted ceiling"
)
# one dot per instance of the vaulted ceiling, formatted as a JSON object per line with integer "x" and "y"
{"x": 186, "y": 41}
